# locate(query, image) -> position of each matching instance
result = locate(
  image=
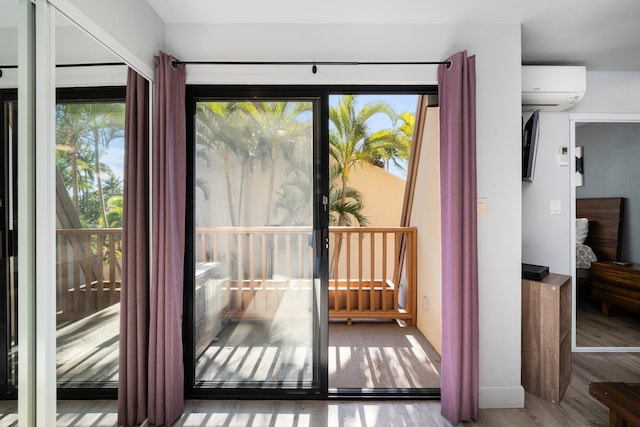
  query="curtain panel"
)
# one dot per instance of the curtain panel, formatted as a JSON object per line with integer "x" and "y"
{"x": 134, "y": 313}
{"x": 169, "y": 172}
{"x": 460, "y": 366}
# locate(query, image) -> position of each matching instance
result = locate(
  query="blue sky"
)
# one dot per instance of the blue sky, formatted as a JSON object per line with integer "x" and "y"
{"x": 114, "y": 156}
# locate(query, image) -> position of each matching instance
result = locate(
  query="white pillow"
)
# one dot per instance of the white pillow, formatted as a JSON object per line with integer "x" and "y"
{"x": 582, "y": 230}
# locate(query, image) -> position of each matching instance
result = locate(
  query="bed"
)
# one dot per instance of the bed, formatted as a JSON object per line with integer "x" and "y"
{"x": 602, "y": 241}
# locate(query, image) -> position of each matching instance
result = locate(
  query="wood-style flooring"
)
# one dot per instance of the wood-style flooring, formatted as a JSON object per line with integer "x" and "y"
{"x": 577, "y": 408}
{"x": 595, "y": 330}
{"x": 363, "y": 355}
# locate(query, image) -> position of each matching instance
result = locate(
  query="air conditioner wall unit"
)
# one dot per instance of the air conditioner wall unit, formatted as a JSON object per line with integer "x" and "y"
{"x": 552, "y": 88}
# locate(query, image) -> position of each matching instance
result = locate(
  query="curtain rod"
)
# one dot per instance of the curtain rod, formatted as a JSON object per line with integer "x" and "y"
{"x": 86, "y": 64}
{"x": 314, "y": 64}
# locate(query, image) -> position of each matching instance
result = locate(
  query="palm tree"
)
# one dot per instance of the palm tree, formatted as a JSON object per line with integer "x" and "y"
{"x": 352, "y": 143}
{"x": 220, "y": 128}
{"x": 348, "y": 209}
{"x": 278, "y": 124}
{"x": 405, "y": 122}
{"x": 113, "y": 185}
{"x": 68, "y": 134}
{"x": 295, "y": 194}
{"x": 82, "y": 129}
{"x": 105, "y": 123}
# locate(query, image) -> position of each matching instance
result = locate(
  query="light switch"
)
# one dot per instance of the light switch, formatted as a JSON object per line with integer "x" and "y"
{"x": 555, "y": 207}
{"x": 482, "y": 207}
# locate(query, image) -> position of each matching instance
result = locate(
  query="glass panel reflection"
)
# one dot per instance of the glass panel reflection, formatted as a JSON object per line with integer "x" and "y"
{"x": 253, "y": 299}
{"x": 89, "y": 182}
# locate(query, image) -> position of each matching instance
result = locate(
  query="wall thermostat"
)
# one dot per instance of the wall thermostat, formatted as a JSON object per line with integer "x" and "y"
{"x": 563, "y": 156}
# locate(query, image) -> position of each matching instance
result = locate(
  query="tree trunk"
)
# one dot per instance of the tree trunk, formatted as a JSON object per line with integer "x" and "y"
{"x": 96, "y": 148}
{"x": 338, "y": 247}
{"x": 243, "y": 176}
{"x": 229, "y": 195}
{"x": 272, "y": 174}
{"x": 75, "y": 198}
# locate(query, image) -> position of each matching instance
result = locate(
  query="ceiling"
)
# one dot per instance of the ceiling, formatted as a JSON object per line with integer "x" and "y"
{"x": 603, "y": 35}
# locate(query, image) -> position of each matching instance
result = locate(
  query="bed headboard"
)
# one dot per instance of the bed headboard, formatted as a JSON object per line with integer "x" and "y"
{"x": 605, "y": 217}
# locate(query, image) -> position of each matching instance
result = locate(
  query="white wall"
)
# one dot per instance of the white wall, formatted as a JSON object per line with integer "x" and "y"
{"x": 132, "y": 25}
{"x": 546, "y": 238}
{"x": 498, "y": 50}
{"x": 9, "y": 56}
{"x": 550, "y": 182}
{"x": 427, "y": 207}
{"x": 497, "y": 47}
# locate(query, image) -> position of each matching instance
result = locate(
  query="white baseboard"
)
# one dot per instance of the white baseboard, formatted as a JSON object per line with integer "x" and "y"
{"x": 501, "y": 397}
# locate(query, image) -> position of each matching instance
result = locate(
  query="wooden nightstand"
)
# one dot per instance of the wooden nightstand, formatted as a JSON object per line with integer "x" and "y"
{"x": 616, "y": 285}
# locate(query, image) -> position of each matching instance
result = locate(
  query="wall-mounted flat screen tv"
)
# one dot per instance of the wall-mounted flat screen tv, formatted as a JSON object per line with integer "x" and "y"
{"x": 529, "y": 146}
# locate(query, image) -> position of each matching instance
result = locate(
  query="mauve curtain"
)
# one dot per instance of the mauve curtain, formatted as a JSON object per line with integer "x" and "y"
{"x": 132, "y": 379}
{"x": 457, "y": 89}
{"x": 166, "y": 378}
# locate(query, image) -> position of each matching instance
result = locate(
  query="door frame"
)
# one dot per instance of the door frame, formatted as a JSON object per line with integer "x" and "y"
{"x": 321, "y": 226}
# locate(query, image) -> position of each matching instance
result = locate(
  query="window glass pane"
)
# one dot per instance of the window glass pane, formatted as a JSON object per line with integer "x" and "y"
{"x": 253, "y": 298}
{"x": 89, "y": 183}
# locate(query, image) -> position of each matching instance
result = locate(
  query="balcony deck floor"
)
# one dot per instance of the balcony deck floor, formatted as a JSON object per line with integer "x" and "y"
{"x": 363, "y": 355}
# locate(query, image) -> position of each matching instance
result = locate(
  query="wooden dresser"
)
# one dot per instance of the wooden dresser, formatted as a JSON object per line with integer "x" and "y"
{"x": 546, "y": 336}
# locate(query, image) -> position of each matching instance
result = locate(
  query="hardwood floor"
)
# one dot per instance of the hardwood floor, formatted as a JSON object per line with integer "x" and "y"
{"x": 595, "y": 330}
{"x": 576, "y": 409}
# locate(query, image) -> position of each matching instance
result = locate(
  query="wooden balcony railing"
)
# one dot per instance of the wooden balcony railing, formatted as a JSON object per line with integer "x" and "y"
{"x": 265, "y": 265}
{"x": 258, "y": 270}
{"x": 88, "y": 270}
{"x": 368, "y": 265}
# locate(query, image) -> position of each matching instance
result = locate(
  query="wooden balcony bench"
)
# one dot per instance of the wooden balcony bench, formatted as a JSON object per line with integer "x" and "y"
{"x": 622, "y": 399}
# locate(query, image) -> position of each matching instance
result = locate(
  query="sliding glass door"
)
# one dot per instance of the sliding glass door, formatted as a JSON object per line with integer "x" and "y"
{"x": 271, "y": 167}
{"x": 255, "y": 303}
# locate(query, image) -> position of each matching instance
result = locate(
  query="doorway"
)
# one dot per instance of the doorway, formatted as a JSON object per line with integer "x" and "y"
{"x": 273, "y": 270}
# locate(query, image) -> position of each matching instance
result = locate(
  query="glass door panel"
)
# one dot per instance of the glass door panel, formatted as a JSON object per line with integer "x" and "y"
{"x": 255, "y": 296}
